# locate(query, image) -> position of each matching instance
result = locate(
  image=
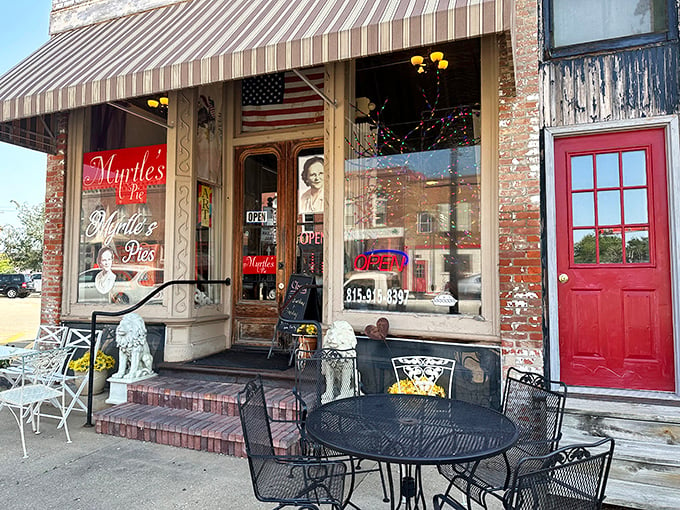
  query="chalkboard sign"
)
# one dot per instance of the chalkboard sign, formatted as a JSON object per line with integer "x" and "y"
{"x": 299, "y": 303}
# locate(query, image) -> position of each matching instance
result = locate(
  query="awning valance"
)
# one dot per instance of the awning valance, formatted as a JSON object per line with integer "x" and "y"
{"x": 204, "y": 41}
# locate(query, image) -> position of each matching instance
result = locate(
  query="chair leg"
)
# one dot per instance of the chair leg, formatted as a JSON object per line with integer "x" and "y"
{"x": 20, "y": 422}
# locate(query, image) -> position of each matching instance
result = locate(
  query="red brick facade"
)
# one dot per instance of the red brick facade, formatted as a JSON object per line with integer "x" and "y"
{"x": 519, "y": 195}
{"x": 53, "y": 248}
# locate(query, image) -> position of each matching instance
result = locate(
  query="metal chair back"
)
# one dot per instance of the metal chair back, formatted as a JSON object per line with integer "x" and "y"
{"x": 428, "y": 375}
{"x": 50, "y": 337}
{"x": 257, "y": 434}
{"x": 536, "y": 406}
{"x": 324, "y": 375}
{"x": 571, "y": 478}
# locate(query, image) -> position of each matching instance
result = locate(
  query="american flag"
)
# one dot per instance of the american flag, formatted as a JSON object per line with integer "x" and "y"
{"x": 281, "y": 100}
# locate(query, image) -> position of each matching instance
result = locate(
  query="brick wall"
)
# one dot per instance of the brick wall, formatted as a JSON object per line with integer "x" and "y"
{"x": 519, "y": 195}
{"x": 53, "y": 248}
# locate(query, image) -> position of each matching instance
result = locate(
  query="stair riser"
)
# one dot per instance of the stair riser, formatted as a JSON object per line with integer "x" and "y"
{"x": 645, "y": 473}
{"x": 639, "y": 430}
{"x": 227, "y": 442}
{"x": 281, "y": 406}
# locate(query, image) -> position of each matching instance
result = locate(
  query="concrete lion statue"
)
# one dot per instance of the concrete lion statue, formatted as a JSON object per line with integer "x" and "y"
{"x": 339, "y": 373}
{"x": 134, "y": 357}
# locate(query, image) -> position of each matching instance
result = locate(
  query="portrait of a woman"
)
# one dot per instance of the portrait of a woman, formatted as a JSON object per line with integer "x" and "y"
{"x": 311, "y": 200}
{"x": 105, "y": 278}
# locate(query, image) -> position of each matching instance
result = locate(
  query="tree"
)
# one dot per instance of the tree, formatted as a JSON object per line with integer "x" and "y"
{"x": 23, "y": 245}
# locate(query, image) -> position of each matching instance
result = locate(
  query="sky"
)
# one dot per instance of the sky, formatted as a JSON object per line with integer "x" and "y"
{"x": 25, "y": 28}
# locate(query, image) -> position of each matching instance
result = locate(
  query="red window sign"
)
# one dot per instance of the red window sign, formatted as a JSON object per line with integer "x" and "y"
{"x": 259, "y": 264}
{"x": 128, "y": 171}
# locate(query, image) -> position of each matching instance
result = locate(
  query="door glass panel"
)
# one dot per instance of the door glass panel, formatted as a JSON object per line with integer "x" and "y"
{"x": 637, "y": 246}
{"x": 610, "y": 248}
{"x": 635, "y": 206}
{"x": 582, "y": 172}
{"x": 608, "y": 208}
{"x": 259, "y": 227}
{"x": 583, "y": 207}
{"x": 607, "y": 170}
{"x": 634, "y": 168}
{"x": 585, "y": 246}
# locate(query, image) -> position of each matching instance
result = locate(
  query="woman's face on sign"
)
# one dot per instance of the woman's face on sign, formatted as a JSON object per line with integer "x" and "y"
{"x": 107, "y": 260}
{"x": 315, "y": 175}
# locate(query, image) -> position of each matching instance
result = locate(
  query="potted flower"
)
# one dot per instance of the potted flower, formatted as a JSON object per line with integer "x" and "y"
{"x": 306, "y": 335}
{"x": 102, "y": 364}
{"x": 422, "y": 387}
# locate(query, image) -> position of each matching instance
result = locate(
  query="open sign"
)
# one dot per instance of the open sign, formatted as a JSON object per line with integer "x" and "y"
{"x": 256, "y": 216}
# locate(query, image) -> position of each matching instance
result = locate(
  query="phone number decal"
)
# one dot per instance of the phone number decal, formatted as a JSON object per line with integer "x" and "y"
{"x": 377, "y": 297}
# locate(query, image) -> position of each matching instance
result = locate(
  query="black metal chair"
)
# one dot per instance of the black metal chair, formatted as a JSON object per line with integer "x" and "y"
{"x": 321, "y": 376}
{"x": 302, "y": 481}
{"x": 536, "y": 406}
{"x": 571, "y": 478}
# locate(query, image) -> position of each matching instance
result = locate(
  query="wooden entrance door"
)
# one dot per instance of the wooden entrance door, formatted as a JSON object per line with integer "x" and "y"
{"x": 265, "y": 217}
{"x": 614, "y": 290}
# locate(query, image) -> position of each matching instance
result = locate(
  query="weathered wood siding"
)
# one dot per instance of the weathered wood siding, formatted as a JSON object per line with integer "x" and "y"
{"x": 628, "y": 84}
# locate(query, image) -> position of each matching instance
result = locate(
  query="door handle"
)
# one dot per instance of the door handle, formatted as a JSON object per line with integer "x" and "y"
{"x": 563, "y": 278}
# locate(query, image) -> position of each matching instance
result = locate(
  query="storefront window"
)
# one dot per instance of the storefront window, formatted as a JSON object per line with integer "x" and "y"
{"x": 122, "y": 230}
{"x": 412, "y": 185}
{"x": 209, "y": 132}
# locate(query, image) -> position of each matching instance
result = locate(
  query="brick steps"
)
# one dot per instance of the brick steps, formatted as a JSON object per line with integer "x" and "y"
{"x": 200, "y": 415}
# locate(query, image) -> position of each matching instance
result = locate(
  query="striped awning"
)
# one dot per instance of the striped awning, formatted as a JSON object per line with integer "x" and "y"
{"x": 204, "y": 41}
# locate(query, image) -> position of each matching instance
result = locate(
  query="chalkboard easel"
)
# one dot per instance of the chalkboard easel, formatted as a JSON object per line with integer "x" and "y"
{"x": 299, "y": 307}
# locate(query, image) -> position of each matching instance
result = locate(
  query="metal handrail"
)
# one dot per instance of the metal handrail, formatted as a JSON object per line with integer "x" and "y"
{"x": 143, "y": 301}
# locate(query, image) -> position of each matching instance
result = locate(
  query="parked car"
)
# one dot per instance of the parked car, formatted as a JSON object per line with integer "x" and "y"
{"x": 37, "y": 281}
{"x": 470, "y": 287}
{"x": 16, "y": 284}
{"x": 131, "y": 285}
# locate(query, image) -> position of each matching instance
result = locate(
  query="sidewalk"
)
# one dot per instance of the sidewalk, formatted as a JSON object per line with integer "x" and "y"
{"x": 101, "y": 472}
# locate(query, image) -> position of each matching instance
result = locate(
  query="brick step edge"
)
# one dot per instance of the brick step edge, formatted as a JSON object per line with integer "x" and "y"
{"x": 206, "y": 396}
{"x": 187, "y": 429}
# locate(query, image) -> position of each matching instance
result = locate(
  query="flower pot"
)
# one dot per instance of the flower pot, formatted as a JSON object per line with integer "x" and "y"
{"x": 306, "y": 343}
{"x": 100, "y": 377}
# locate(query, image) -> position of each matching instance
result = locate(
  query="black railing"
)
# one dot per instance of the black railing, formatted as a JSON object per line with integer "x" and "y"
{"x": 142, "y": 302}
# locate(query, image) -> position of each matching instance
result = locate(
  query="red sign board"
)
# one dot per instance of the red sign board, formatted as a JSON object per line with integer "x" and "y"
{"x": 128, "y": 171}
{"x": 259, "y": 264}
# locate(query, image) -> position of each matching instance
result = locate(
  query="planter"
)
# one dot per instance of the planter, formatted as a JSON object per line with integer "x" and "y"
{"x": 99, "y": 384}
{"x": 306, "y": 343}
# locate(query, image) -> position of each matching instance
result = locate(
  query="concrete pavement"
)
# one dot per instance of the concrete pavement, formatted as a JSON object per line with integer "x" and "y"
{"x": 104, "y": 472}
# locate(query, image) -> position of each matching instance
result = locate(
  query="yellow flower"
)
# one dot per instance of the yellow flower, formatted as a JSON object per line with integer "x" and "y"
{"x": 407, "y": 387}
{"x": 101, "y": 362}
{"x": 307, "y": 329}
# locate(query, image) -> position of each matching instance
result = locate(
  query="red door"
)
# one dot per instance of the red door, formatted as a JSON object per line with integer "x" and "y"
{"x": 614, "y": 290}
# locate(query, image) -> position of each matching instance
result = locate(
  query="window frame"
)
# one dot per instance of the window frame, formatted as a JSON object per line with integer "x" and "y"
{"x": 670, "y": 34}
{"x": 449, "y": 327}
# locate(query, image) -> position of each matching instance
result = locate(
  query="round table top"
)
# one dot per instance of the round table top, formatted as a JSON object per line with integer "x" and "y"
{"x": 411, "y": 429}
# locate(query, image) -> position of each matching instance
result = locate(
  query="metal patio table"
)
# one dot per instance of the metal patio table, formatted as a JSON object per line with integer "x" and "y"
{"x": 9, "y": 352}
{"x": 410, "y": 431}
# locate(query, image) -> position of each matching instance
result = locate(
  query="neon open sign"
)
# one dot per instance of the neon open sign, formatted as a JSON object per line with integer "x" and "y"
{"x": 381, "y": 260}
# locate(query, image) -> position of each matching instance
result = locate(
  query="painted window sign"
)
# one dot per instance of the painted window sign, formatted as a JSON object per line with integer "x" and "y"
{"x": 259, "y": 264}
{"x": 381, "y": 260}
{"x": 128, "y": 171}
{"x": 123, "y": 228}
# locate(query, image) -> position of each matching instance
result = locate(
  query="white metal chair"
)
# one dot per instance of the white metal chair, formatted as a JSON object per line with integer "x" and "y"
{"x": 429, "y": 375}
{"x": 47, "y": 337}
{"x": 78, "y": 340}
{"x": 33, "y": 389}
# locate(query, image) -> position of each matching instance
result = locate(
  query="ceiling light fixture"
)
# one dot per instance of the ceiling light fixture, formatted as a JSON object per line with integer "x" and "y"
{"x": 435, "y": 58}
{"x": 161, "y": 102}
